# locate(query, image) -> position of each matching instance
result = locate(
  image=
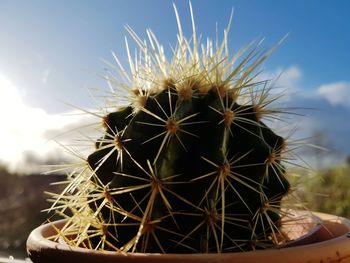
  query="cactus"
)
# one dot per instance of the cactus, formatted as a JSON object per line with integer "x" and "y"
{"x": 187, "y": 164}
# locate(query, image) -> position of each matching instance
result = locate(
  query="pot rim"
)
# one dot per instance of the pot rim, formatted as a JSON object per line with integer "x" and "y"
{"x": 333, "y": 233}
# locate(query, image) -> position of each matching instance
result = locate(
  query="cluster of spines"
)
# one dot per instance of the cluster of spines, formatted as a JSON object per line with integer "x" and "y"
{"x": 188, "y": 165}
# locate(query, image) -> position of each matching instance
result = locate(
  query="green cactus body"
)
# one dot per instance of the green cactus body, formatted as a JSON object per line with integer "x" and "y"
{"x": 195, "y": 174}
{"x": 188, "y": 165}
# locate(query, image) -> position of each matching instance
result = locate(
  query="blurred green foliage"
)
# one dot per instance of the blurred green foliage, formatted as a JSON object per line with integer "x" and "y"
{"x": 326, "y": 190}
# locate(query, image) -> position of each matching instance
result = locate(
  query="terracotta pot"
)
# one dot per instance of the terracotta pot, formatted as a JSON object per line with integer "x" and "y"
{"x": 329, "y": 241}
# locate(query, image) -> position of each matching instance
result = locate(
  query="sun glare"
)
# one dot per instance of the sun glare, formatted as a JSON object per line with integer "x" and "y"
{"x": 27, "y": 130}
{"x": 20, "y": 125}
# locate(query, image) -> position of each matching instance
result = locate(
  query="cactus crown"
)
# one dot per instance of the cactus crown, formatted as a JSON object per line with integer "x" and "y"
{"x": 187, "y": 164}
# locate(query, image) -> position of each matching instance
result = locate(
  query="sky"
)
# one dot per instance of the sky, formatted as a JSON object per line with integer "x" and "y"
{"x": 52, "y": 53}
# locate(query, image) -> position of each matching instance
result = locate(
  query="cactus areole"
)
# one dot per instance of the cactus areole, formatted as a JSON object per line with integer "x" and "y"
{"x": 188, "y": 164}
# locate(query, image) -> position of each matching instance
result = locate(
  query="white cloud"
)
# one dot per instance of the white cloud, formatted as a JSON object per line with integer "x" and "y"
{"x": 45, "y": 76}
{"x": 286, "y": 78}
{"x": 337, "y": 93}
{"x": 318, "y": 111}
{"x": 26, "y": 133}
{"x": 283, "y": 80}
{"x": 289, "y": 77}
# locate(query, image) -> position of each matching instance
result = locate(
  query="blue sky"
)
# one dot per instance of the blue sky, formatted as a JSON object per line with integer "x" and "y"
{"x": 50, "y": 51}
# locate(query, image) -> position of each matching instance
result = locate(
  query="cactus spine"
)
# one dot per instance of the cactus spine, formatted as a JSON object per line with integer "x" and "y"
{"x": 187, "y": 165}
